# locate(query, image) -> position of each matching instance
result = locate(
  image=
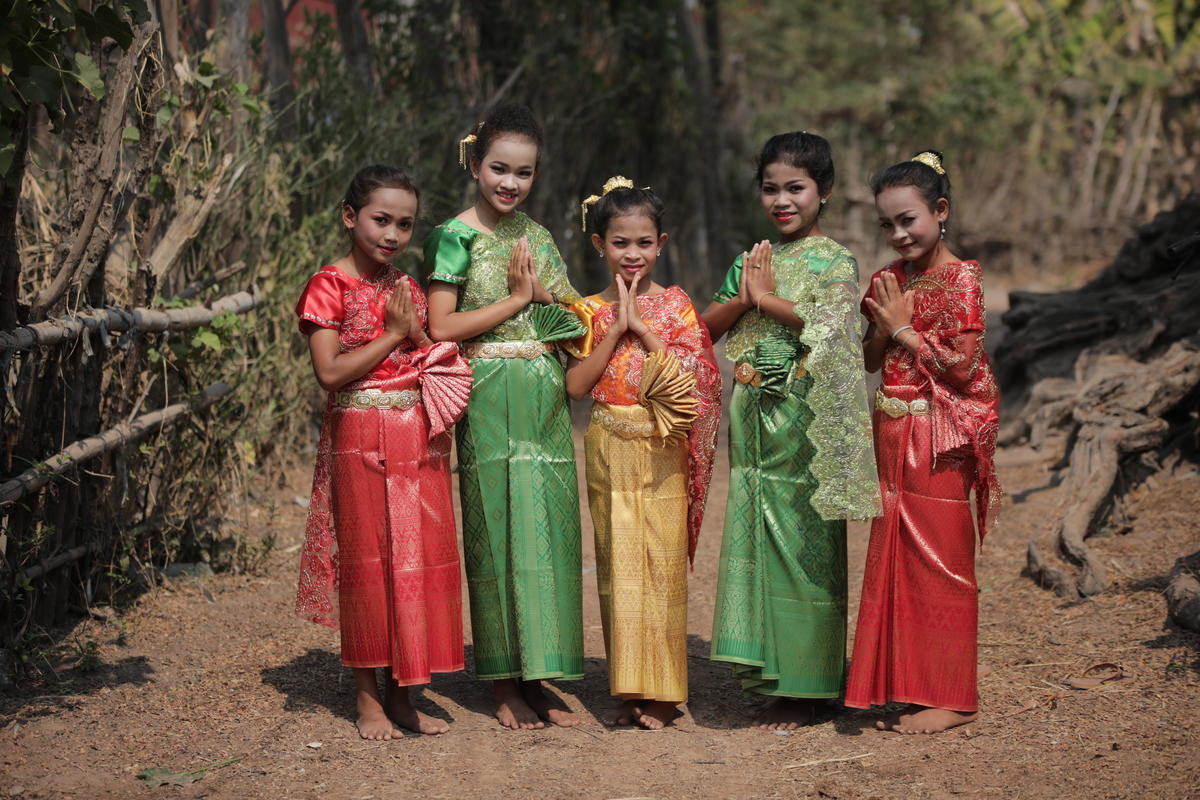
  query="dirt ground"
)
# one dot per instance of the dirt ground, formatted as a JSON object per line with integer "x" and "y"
{"x": 205, "y": 670}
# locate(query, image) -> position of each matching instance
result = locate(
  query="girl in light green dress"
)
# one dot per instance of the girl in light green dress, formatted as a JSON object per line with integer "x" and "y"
{"x": 800, "y": 453}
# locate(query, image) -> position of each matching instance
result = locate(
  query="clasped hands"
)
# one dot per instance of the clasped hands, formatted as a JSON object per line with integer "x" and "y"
{"x": 891, "y": 307}
{"x": 523, "y": 283}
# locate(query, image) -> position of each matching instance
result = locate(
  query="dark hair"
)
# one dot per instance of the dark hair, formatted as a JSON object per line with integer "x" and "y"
{"x": 509, "y": 118}
{"x": 802, "y": 150}
{"x": 624, "y": 202}
{"x": 377, "y": 176}
{"x": 929, "y": 183}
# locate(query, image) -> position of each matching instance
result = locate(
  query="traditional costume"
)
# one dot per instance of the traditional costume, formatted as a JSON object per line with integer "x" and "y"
{"x": 800, "y": 465}
{"x": 380, "y": 526}
{"x": 516, "y": 457}
{"x": 649, "y": 451}
{"x": 935, "y": 435}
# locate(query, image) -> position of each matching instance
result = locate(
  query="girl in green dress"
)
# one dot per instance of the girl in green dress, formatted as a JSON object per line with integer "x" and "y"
{"x": 800, "y": 454}
{"x": 496, "y": 284}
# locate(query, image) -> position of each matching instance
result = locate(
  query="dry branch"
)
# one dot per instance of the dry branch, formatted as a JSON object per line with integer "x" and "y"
{"x": 47, "y": 565}
{"x": 143, "y": 320}
{"x": 112, "y": 439}
{"x": 104, "y": 173}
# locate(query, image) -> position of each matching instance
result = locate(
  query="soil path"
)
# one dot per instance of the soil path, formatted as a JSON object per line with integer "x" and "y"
{"x": 210, "y": 669}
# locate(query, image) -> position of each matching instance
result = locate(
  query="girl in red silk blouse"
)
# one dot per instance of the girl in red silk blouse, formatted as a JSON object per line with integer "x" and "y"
{"x": 380, "y": 527}
{"x": 935, "y": 435}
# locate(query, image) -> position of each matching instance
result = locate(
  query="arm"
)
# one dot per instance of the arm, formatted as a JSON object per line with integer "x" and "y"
{"x": 730, "y": 302}
{"x": 874, "y": 345}
{"x": 892, "y": 311}
{"x": 447, "y": 324}
{"x": 335, "y": 369}
{"x": 720, "y": 317}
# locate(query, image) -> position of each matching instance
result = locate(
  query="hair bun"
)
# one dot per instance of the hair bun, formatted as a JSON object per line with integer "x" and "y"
{"x": 931, "y": 159}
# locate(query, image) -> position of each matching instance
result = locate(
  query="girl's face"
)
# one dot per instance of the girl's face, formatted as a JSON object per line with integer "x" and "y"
{"x": 791, "y": 199}
{"x": 383, "y": 227}
{"x": 630, "y": 245}
{"x": 507, "y": 171}
{"x": 909, "y": 225}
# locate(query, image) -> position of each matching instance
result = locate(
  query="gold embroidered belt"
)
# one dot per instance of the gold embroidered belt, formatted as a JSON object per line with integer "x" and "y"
{"x": 620, "y": 424}
{"x": 895, "y": 408}
{"x": 528, "y": 349}
{"x": 747, "y": 375}
{"x": 402, "y": 399}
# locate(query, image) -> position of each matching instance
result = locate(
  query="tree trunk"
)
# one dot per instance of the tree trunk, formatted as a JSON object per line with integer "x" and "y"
{"x": 355, "y": 47}
{"x": 233, "y": 48}
{"x": 10, "y": 195}
{"x": 278, "y": 62}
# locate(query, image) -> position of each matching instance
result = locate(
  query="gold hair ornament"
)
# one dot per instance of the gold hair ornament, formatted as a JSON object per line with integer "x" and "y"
{"x": 615, "y": 182}
{"x": 464, "y": 143}
{"x": 930, "y": 160}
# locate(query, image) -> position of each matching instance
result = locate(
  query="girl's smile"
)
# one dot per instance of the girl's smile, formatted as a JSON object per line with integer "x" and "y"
{"x": 630, "y": 245}
{"x": 382, "y": 228}
{"x": 506, "y": 175}
{"x": 791, "y": 199}
{"x": 910, "y": 226}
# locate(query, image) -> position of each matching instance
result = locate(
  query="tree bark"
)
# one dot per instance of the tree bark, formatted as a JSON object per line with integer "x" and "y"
{"x": 355, "y": 47}
{"x": 278, "y": 63}
{"x": 10, "y": 195}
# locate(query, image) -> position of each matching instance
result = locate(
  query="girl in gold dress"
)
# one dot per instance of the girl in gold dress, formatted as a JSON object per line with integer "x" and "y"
{"x": 647, "y": 362}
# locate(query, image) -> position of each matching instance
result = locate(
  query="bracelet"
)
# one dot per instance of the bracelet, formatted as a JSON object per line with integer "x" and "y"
{"x": 901, "y": 330}
{"x": 758, "y": 305}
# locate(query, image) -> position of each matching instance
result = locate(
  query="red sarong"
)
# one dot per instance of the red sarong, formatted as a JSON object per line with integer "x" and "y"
{"x": 380, "y": 531}
{"x": 916, "y": 634}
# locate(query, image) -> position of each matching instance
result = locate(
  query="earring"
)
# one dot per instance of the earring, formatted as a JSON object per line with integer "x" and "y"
{"x": 659, "y": 253}
{"x": 824, "y": 200}
{"x": 943, "y": 231}
{"x": 600, "y": 254}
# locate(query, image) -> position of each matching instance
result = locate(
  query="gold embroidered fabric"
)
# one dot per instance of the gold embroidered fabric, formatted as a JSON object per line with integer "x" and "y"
{"x": 487, "y": 280}
{"x": 668, "y": 393}
{"x": 638, "y": 498}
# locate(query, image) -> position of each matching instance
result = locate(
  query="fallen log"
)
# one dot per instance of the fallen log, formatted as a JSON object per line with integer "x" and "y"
{"x": 142, "y": 320}
{"x": 128, "y": 433}
{"x": 1117, "y": 412}
{"x": 1183, "y": 592}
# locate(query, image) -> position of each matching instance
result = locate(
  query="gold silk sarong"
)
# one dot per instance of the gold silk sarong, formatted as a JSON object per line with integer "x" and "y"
{"x": 637, "y": 494}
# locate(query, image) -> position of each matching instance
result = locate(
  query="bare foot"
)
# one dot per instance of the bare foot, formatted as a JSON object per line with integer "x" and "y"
{"x": 621, "y": 715}
{"x": 547, "y": 707}
{"x": 934, "y": 720}
{"x": 654, "y": 715}
{"x": 923, "y": 719}
{"x": 784, "y": 714}
{"x": 401, "y": 711}
{"x": 372, "y": 722}
{"x": 511, "y": 709}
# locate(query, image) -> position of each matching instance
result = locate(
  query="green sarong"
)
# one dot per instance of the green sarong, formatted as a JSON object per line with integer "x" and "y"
{"x": 521, "y": 537}
{"x": 781, "y": 594}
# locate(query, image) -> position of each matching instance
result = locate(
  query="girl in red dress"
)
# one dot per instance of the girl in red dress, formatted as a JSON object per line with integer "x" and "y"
{"x": 935, "y": 435}
{"x": 381, "y": 526}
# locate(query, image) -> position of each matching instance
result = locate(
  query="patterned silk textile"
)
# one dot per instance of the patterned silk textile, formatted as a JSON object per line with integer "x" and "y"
{"x": 380, "y": 527}
{"x": 801, "y": 463}
{"x": 516, "y": 456}
{"x": 918, "y": 620}
{"x": 649, "y": 452}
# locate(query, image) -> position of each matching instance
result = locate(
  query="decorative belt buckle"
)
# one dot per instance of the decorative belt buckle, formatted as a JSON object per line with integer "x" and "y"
{"x": 746, "y": 374}
{"x": 919, "y": 407}
{"x": 894, "y": 407}
{"x": 530, "y": 350}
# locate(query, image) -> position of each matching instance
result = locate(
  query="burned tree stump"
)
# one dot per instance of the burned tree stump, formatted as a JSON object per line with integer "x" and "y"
{"x": 1107, "y": 372}
{"x": 1118, "y": 412}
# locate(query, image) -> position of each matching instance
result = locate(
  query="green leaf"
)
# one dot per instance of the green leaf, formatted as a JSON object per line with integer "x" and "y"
{"x": 41, "y": 86}
{"x": 88, "y": 74}
{"x": 156, "y": 777}
{"x": 131, "y": 134}
{"x": 208, "y": 340}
